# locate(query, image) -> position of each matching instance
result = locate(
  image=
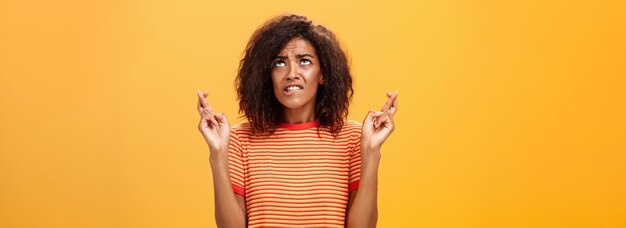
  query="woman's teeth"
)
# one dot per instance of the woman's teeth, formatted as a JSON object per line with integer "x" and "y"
{"x": 292, "y": 88}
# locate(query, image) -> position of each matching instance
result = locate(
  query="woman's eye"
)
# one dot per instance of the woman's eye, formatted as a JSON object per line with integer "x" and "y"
{"x": 279, "y": 63}
{"x": 305, "y": 61}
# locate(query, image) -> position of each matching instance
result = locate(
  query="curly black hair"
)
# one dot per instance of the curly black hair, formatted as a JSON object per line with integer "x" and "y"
{"x": 254, "y": 83}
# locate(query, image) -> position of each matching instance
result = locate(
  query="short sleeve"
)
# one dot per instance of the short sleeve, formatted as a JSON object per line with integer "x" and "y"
{"x": 355, "y": 157}
{"x": 235, "y": 163}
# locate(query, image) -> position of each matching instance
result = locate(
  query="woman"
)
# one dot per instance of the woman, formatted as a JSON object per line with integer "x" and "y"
{"x": 296, "y": 161}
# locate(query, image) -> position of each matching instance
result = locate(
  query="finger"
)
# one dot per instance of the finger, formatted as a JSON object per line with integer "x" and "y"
{"x": 221, "y": 118}
{"x": 200, "y": 96}
{"x": 389, "y": 102}
{"x": 205, "y": 114}
{"x": 376, "y": 114}
{"x": 199, "y": 107}
{"x": 211, "y": 117}
{"x": 384, "y": 120}
{"x": 394, "y": 106}
{"x": 376, "y": 118}
{"x": 369, "y": 118}
{"x": 381, "y": 119}
{"x": 204, "y": 103}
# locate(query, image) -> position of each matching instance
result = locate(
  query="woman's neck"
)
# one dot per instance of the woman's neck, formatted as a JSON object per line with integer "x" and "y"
{"x": 301, "y": 115}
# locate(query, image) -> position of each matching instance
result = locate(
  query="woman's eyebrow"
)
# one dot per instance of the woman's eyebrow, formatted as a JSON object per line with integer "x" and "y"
{"x": 304, "y": 55}
{"x": 297, "y": 56}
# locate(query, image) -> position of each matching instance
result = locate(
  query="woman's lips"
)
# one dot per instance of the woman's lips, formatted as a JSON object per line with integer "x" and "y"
{"x": 291, "y": 89}
{"x": 291, "y": 92}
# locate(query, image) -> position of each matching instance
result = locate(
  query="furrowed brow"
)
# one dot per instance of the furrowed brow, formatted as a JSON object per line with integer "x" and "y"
{"x": 304, "y": 55}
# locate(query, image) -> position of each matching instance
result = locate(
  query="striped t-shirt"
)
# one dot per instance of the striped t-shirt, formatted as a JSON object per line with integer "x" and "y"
{"x": 295, "y": 177}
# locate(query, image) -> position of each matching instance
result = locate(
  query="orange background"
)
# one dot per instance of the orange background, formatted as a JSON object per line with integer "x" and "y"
{"x": 512, "y": 114}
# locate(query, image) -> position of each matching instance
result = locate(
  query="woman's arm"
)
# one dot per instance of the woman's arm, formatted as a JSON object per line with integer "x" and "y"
{"x": 230, "y": 210}
{"x": 362, "y": 203}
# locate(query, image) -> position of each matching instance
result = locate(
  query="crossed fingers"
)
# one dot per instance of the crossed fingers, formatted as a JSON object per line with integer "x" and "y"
{"x": 204, "y": 108}
{"x": 388, "y": 110}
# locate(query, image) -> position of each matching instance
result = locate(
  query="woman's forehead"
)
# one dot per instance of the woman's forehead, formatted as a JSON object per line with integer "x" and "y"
{"x": 298, "y": 46}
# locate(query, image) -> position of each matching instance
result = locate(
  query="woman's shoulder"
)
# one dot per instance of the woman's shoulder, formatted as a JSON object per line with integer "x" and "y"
{"x": 241, "y": 128}
{"x": 353, "y": 123}
{"x": 243, "y": 125}
{"x": 352, "y": 126}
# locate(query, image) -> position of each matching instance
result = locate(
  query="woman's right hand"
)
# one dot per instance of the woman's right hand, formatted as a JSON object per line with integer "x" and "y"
{"x": 214, "y": 127}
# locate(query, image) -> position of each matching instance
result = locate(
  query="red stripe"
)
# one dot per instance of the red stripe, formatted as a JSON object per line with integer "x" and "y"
{"x": 239, "y": 190}
{"x": 353, "y": 186}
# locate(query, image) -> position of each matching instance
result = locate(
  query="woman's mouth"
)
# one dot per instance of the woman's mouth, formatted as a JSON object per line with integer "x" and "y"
{"x": 291, "y": 89}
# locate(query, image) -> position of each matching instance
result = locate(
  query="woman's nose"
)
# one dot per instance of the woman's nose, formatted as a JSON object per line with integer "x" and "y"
{"x": 293, "y": 72}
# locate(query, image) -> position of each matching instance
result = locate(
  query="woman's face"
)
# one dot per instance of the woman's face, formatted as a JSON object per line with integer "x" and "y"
{"x": 296, "y": 74}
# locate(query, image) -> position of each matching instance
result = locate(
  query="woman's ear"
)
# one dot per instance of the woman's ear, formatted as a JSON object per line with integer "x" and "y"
{"x": 322, "y": 80}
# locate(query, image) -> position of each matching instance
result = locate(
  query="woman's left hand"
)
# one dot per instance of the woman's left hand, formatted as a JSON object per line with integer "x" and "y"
{"x": 377, "y": 126}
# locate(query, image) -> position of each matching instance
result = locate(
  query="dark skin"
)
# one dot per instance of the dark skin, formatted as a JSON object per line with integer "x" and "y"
{"x": 362, "y": 202}
{"x": 297, "y": 66}
{"x": 296, "y": 75}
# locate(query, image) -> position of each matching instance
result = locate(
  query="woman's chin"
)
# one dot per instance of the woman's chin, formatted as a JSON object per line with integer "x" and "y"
{"x": 293, "y": 104}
